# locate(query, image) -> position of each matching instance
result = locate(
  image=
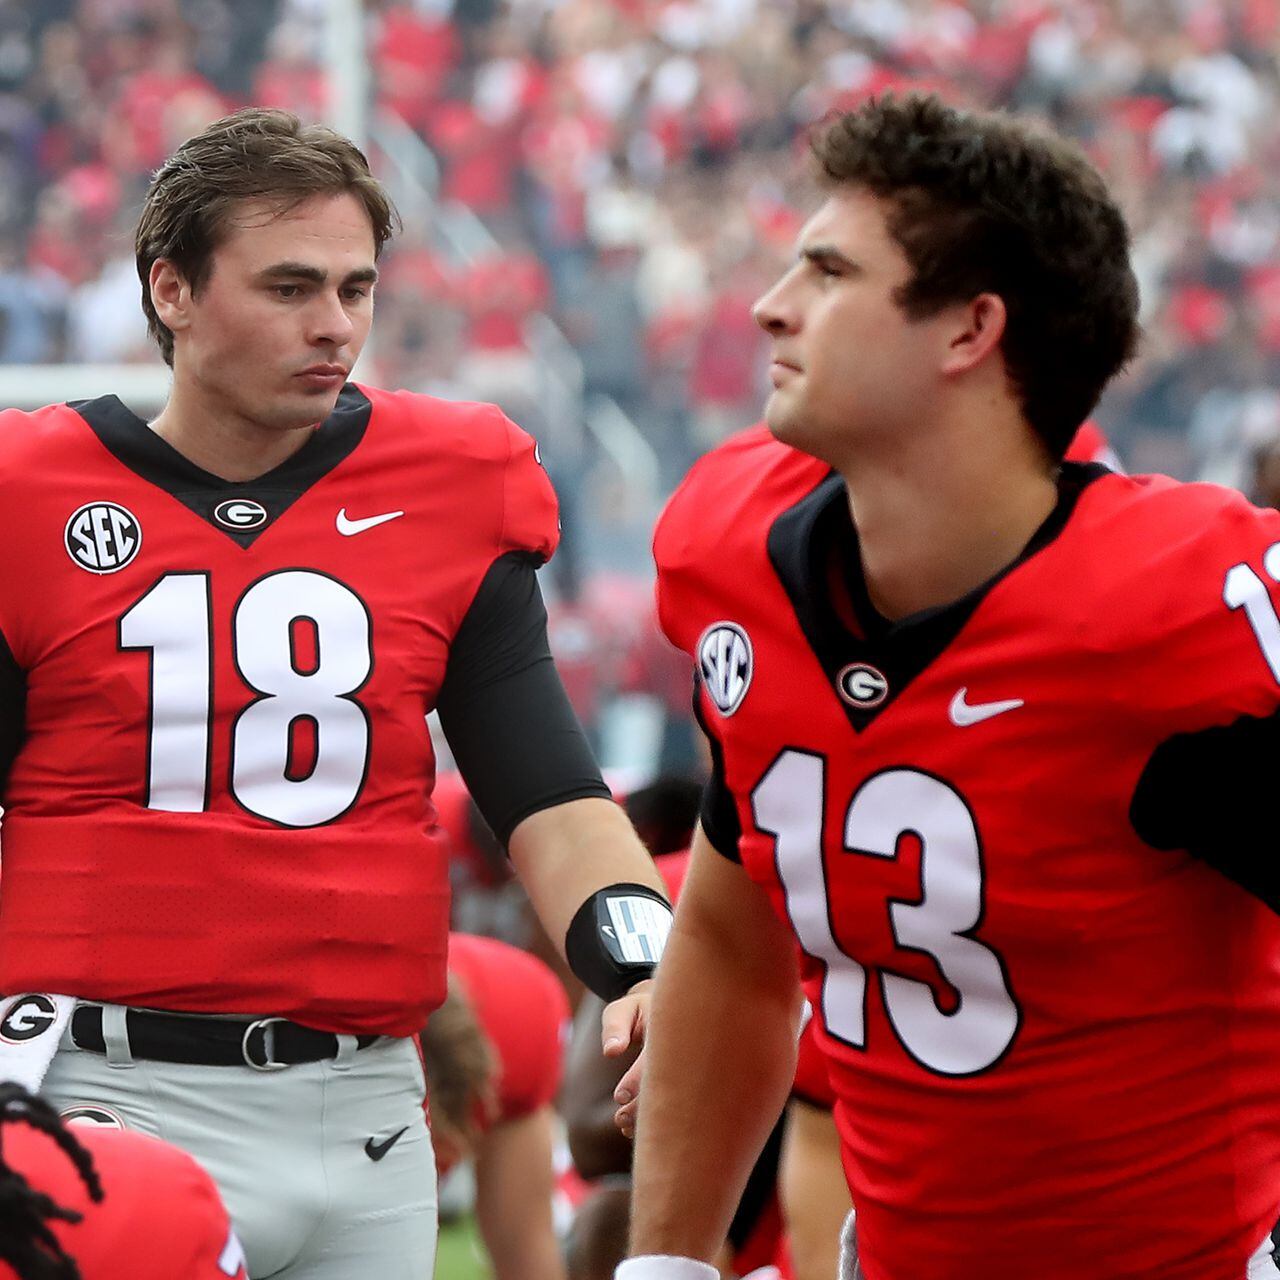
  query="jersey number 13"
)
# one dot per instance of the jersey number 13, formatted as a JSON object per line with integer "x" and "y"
{"x": 788, "y": 804}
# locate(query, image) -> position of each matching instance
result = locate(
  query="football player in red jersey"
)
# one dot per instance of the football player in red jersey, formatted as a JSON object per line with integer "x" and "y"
{"x": 222, "y": 633}
{"x": 994, "y": 745}
{"x": 785, "y": 1216}
{"x": 493, "y": 1053}
{"x": 90, "y": 1202}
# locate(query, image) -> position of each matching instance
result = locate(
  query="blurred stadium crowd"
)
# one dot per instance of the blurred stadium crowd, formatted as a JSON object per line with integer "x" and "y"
{"x": 629, "y": 170}
{"x": 625, "y": 175}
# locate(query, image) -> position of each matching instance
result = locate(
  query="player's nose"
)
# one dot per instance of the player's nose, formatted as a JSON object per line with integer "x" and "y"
{"x": 772, "y": 310}
{"x": 331, "y": 323}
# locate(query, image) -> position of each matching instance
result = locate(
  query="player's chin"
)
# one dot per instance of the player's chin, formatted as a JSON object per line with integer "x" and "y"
{"x": 783, "y": 421}
{"x": 313, "y": 401}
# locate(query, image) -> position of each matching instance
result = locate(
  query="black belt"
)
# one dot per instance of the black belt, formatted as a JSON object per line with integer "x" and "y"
{"x": 265, "y": 1044}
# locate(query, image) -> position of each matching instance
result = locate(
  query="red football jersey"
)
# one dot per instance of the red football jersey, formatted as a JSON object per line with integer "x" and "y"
{"x": 1053, "y": 1046}
{"x": 523, "y": 1011}
{"x": 1090, "y": 445}
{"x": 222, "y": 801}
{"x": 160, "y": 1216}
{"x": 812, "y": 1083}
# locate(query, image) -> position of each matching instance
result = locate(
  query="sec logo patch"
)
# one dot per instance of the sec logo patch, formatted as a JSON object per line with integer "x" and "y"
{"x": 102, "y": 537}
{"x": 725, "y": 663}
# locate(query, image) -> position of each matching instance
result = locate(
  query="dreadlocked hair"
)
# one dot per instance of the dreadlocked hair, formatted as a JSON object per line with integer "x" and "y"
{"x": 461, "y": 1070}
{"x": 26, "y": 1242}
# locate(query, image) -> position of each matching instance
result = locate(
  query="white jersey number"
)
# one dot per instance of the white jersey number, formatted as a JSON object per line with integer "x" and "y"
{"x": 788, "y": 804}
{"x": 174, "y": 621}
{"x": 1243, "y": 589}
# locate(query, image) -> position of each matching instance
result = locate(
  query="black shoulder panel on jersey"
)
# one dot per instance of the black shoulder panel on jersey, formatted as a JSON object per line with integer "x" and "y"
{"x": 512, "y": 731}
{"x": 134, "y": 444}
{"x": 718, "y": 814}
{"x": 1212, "y": 793}
{"x": 801, "y": 543}
{"x": 13, "y": 708}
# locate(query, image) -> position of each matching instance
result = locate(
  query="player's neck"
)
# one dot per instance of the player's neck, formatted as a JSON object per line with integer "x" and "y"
{"x": 934, "y": 527}
{"x": 222, "y": 441}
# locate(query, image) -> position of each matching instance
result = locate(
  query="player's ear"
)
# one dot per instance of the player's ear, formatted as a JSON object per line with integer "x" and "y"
{"x": 980, "y": 325}
{"x": 170, "y": 294}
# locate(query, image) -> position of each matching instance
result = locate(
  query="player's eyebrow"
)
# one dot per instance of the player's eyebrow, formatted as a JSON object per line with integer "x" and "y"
{"x": 303, "y": 271}
{"x": 827, "y": 255}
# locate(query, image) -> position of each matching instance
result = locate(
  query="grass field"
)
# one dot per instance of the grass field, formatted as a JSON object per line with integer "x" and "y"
{"x": 460, "y": 1255}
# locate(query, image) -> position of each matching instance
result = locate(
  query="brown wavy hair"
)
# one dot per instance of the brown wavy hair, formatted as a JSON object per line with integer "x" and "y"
{"x": 254, "y": 154}
{"x": 983, "y": 202}
{"x": 462, "y": 1073}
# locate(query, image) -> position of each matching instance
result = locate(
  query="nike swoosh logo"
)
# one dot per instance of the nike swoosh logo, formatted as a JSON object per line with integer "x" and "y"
{"x": 347, "y": 527}
{"x": 965, "y": 713}
{"x": 376, "y": 1150}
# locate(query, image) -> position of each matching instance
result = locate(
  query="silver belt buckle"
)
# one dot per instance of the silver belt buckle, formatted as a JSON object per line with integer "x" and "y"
{"x": 268, "y": 1045}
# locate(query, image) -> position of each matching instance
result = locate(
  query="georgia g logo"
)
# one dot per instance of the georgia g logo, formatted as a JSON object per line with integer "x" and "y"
{"x": 863, "y": 686}
{"x": 28, "y": 1017}
{"x": 92, "y": 1113}
{"x": 240, "y": 513}
{"x": 725, "y": 662}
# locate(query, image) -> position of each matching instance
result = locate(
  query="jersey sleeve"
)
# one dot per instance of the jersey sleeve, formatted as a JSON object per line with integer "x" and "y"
{"x": 678, "y": 553}
{"x": 718, "y": 813}
{"x": 523, "y": 1010}
{"x": 1210, "y": 792}
{"x": 1207, "y": 786}
{"x": 504, "y": 711}
{"x": 530, "y": 512}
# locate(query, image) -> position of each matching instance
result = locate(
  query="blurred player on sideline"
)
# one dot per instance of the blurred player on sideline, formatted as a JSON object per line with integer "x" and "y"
{"x": 994, "y": 742}
{"x": 93, "y": 1202}
{"x": 220, "y": 635}
{"x": 493, "y": 1053}
{"x": 788, "y": 1214}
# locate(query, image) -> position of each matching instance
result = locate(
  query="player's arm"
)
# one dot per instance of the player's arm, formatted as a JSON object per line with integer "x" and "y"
{"x": 527, "y": 764}
{"x": 595, "y": 889}
{"x": 514, "y": 1186}
{"x": 720, "y": 1056}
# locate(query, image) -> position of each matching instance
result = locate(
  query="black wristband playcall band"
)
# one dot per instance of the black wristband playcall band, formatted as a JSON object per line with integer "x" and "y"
{"x": 616, "y": 938}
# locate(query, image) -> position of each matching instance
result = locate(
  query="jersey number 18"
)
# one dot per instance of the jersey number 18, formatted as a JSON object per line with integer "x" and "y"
{"x": 174, "y": 622}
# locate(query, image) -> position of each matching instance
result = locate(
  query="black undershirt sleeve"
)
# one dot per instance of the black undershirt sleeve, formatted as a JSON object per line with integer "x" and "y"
{"x": 504, "y": 711}
{"x": 718, "y": 814}
{"x": 1213, "y": 794}
{"x": 13, "y": 705}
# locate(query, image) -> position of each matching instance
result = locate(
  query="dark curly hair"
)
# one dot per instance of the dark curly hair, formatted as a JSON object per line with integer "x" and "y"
{"x": 982, "y": 202}
{"x": 254, "y": 154}
{"x": 26, "y": 1242}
